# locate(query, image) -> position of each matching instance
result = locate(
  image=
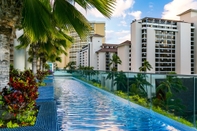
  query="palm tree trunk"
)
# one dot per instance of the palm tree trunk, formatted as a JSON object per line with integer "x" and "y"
{"x": 34, "y": 67}
{"x": 6, "y": 39}
{"x": 9, "y": 18}
{"x": 112, "y": 82}
{"x": 41, "y": 64}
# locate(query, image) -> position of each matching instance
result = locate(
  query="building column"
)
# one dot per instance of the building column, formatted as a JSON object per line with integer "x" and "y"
{"x": 19, "y": 55}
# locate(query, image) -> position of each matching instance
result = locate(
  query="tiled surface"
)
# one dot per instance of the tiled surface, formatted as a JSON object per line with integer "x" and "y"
{"x": 45, "y": 93}
{"x": 47, "y": 116}
{"x": 46, "y": 119}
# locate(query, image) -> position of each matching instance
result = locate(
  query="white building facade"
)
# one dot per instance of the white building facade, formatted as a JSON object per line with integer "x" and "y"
{"x": 168, "y": 45}
{"x": 97, "y": 28}
{"x": 104, "y": 55}
{"x": 87, "y": 56}
{"x": 124, "y": 53}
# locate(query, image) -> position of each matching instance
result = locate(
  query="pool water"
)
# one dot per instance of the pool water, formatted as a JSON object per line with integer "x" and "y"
{"x": 81, "y": 107}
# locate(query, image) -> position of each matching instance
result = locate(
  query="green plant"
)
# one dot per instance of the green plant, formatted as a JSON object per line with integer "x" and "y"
{"x": 139, "y": 85}
{"x": 46, "y": 66}
{"x": 165, "y": 97}
{"x": 121, "y": 81}
{"x": 145, "y": 66}
{"x": 27, "y": 117}
{"x": 71, "y": 66}
{"x": 20, "y": 98}
{"x": 121, "y": 94}
{"x": 40, "y": 75}
{"x": 139, "y": 100}
{"x": 12, "y": 125}
{"x": 115, "y": 60}
{"x": 1, "y": 100}
{"x": 1, "y": 122}
{"x": 172, "y": 116}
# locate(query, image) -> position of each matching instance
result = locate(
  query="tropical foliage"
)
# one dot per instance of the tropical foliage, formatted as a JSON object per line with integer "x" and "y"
{"x": 40, "y": 75}
{"x": 145, "y": 66}
{"x": 87, "y": 71}
{"x": 18, "y": 102}
{"x": 121, "y": 81}
{"x": 139, "y": 85}
{"x": 70, "y": 66}
{"x": 46, "y": 24}
{"x": 165, "y": 93}
{"x": 114, "y": 61}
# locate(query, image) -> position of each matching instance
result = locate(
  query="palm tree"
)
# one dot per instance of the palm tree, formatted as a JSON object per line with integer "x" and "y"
{"x": 40, "y": 19}
{"x": 88, "y": 71}
{"x": 139, "y": 84}
{"x": 45, "y": 51}
{"x": 121, "y": 81}
{"x": 114, "y": 61}
{"x": 166, "y": 89}
{"x": 71, "y": 66}
{"x": 145, "y": 66}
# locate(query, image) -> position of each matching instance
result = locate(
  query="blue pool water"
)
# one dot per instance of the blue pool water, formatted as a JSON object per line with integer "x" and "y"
{"x": 81, "y": 107}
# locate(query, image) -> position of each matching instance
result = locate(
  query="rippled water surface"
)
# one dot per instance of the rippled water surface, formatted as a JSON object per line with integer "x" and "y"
{"x": 84, "y": 108}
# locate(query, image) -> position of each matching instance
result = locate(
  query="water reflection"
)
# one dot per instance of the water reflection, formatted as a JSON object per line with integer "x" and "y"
{"x": 83, "y": 108}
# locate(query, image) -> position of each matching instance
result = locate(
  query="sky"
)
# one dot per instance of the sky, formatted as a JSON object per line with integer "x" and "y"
{"x": 117, "y": 28}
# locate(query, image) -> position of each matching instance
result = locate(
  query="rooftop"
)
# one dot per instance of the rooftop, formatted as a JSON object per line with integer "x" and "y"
{"x": 187, "y": 11}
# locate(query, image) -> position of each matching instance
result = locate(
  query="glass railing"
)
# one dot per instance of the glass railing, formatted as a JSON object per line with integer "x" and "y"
{"x": 171, "y": 95}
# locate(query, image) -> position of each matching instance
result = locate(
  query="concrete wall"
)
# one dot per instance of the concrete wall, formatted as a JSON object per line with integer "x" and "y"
{"x": 192, "y": 17}
{"x": 123, "y": 53}
{"x": 95, "y": 46}
{"x": 102, "y": 61}
{"x": 150, "y": 54}
{"x": 183, "y": 49}
{"x": 99, "y": 28}
{"x": 136, "y": 48}
{"x": 19, "y": 55}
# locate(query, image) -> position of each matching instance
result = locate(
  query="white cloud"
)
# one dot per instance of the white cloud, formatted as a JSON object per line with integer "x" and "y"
{"x": 122, "y": 23}
{"x": 117, "y": 37}
{"x": 120, "y": 9}
{"x": 151, "y": 5}
{"x": 136, "y": 14}
{"x": 124, "y": 38}
{"x": 172, "y": 9}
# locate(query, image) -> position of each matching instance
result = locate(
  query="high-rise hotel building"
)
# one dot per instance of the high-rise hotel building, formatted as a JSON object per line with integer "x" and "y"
{"x": 97, "y": 28}
{"x": 168, "y": 45}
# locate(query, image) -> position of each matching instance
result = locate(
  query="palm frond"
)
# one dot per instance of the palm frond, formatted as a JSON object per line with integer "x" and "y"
{"x": 36, "y": 21}
{"x": 67, "y": 15}
{"x": 24, "y": 42}
{"x": 106, "y": 7}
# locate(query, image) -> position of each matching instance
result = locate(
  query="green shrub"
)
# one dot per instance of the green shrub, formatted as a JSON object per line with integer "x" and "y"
{"x": 19, "y": 100}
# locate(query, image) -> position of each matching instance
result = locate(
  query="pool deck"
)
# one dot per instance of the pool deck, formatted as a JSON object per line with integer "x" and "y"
{"x": 47, "y": 115}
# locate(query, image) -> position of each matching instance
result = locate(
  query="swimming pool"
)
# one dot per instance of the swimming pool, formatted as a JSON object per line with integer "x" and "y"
{"x": 81, "y": 107}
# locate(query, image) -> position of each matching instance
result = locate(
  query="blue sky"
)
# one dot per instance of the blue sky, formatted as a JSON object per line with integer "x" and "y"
{"x": 118, "y": 26}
